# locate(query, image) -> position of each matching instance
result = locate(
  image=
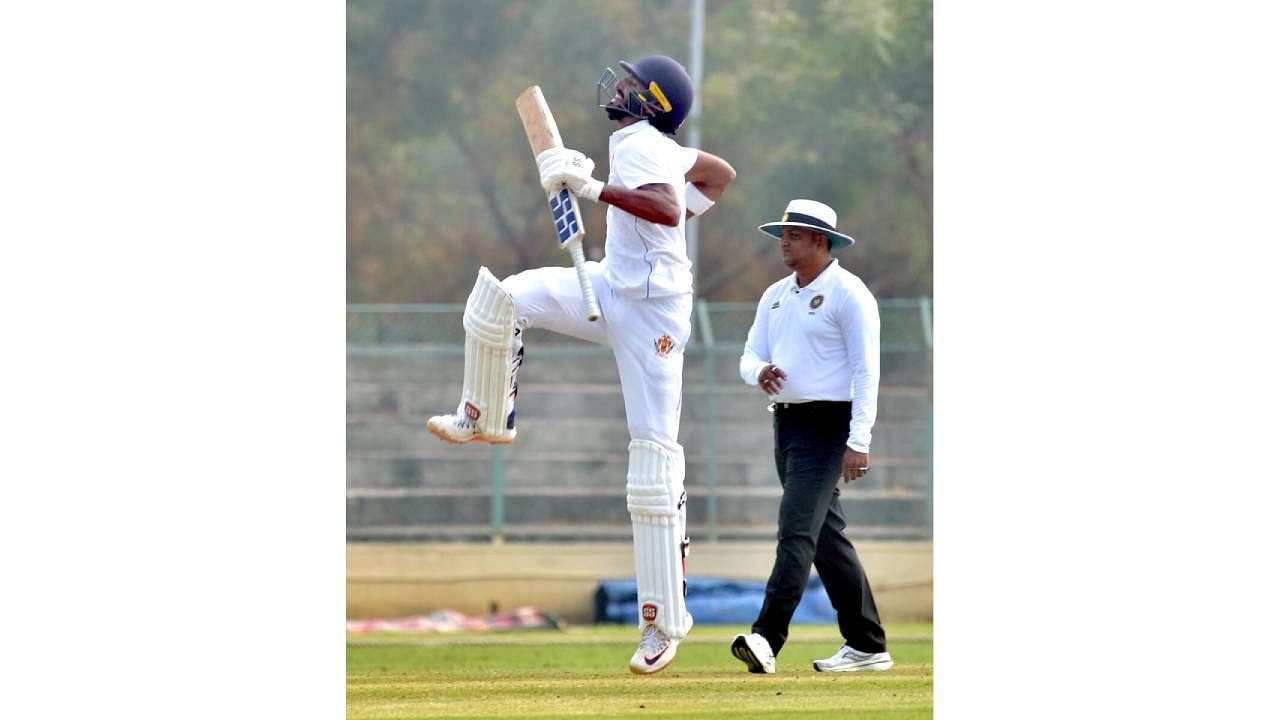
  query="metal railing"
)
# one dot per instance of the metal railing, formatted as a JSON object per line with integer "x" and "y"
{"x": 387, "y": 332}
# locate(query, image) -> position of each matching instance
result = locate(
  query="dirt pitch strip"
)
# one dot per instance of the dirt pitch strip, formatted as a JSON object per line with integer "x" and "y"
{"x": 582, "y": 673}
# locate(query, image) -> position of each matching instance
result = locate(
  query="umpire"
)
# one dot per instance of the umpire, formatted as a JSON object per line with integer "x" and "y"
{"x": 814, "y": 348}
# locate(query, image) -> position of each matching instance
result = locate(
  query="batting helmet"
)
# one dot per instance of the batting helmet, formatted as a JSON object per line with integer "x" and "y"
{"x": 668, "y": 92}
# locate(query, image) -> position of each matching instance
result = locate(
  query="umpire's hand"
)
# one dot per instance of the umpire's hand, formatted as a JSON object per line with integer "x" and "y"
{"x": 771, "y": 378}
{"x": 856, "y": 464}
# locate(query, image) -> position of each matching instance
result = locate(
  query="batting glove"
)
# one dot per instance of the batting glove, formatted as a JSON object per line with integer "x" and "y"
{"x": 575, "y": 173}
{"x": 553, "y": 161}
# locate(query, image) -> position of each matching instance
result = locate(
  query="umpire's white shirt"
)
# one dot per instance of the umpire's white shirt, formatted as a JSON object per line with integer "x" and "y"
{"x": 826, "y": 338}
{"x": 643, "y": 259}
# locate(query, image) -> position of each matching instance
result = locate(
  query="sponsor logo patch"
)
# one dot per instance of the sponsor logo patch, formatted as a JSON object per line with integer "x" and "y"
{"x": 651, "y": 660}
{"x": 777, "y": 304}
{"x": 816, "y": 302}
{"x": 473, "y": 412}
{"x": 664, "y": 345}
{"x": 649, "y": 612}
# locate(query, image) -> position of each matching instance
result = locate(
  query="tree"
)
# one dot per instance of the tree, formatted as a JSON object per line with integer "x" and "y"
{"x": 831, "y": 101}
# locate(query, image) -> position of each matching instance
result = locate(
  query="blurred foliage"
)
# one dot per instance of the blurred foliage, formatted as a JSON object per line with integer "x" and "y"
{"x": 825, "y": 99}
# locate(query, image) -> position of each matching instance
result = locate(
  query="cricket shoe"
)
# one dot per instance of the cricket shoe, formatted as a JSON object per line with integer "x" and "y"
{"x": 754, "y": 650}
{"x": 656, "y": 650}
{"x": 460, "y": 429}
{"x": 847, "y": 659}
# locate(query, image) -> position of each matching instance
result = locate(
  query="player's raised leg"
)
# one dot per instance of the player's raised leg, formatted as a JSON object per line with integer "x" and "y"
{"x": 493, "y": 353}
{"x": 656, "y": 501}
{"x": 550, "y": 298}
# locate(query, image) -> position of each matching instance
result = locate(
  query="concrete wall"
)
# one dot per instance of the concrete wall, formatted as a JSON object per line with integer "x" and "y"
{"x": 397, "y": 579}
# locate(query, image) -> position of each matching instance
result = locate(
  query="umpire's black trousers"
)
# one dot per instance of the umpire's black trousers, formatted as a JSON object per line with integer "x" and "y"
{"x": 809, "y": 444}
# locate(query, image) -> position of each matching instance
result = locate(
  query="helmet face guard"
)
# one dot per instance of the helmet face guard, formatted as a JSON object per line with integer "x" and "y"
{"x": 636, "y": 104}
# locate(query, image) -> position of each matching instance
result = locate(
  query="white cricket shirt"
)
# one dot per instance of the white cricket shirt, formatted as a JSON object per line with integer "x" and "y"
{"x": 641, "y": 258}
{"x": 826, "y": 338}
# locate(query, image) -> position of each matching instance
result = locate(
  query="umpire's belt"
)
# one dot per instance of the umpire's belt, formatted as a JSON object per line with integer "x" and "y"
{"x": 812, "y": 407}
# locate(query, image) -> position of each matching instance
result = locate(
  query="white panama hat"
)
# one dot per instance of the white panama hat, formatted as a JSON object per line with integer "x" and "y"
{"x": 813, "y": 215}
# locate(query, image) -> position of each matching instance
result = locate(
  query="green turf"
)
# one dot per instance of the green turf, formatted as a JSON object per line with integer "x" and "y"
{"x": 582, "y": 673}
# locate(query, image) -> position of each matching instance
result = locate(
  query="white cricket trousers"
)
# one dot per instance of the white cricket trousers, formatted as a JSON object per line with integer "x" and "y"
{"x": 648, "y": 338}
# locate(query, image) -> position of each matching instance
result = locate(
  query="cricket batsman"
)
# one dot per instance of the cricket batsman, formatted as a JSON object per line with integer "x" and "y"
{"x": 644, "y": 286}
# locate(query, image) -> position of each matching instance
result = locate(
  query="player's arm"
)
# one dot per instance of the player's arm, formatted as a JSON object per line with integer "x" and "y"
{"x": 656, "y": 203}
{"x": 708, "y": 179}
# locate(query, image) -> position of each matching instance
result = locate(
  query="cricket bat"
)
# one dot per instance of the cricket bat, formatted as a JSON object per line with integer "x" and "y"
{"x": 540, "y": 127}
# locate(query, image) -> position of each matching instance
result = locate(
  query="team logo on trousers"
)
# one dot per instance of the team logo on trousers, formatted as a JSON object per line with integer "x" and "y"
{"x": 664, "y": 345}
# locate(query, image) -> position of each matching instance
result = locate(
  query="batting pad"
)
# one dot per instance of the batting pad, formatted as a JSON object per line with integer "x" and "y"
{"x": 491, "y": 358}
{"x": 655, "y": 499}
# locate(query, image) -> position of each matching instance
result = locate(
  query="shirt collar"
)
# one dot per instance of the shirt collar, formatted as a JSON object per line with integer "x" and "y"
{"x": 820, "y": 282}
{"x": 627, "y": 131}
{"x": 634, "y": 127}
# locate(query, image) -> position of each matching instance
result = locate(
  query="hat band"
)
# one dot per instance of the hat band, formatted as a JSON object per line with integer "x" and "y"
{"x": 795, "y": 217}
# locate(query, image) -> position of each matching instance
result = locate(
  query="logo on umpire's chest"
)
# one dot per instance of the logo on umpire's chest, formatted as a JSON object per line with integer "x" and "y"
{"x": 664, "y": 345}
{"x": 816, "y": 302}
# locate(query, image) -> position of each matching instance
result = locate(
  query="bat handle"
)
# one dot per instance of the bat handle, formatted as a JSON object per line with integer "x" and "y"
{"x": 588, "y": 293}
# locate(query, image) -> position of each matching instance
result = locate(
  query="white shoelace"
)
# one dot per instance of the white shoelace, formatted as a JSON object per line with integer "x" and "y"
{"x": 654, "y": 640}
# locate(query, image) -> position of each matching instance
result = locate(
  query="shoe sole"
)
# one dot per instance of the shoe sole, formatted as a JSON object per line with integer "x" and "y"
{"x": 742, "y": 651}
{"x": 871, "y": 667}
{"x": 474, "y": 438}
{"x": 635, "y": 671}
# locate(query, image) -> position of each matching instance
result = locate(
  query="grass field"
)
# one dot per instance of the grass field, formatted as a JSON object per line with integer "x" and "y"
{"x": 582, "y": 673}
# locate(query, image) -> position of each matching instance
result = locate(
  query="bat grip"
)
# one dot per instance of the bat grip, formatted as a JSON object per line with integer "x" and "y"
{"x": 588, "y": 293}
